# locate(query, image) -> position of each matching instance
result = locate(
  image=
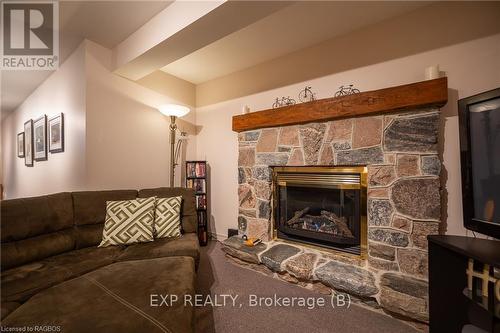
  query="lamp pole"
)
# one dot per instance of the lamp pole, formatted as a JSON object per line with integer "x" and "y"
{"x": 173, "y": 111}
{"x": 173, "y": 128}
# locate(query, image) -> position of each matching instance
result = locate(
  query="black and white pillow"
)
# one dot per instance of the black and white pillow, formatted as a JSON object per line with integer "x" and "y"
{"x": 168, "y": 217}
{"x": 128, "y": 222}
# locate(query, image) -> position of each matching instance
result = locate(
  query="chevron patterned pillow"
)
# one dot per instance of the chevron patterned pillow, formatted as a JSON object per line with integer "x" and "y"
{"x": 168, "y": 217}
{"x": 128, "y": 222}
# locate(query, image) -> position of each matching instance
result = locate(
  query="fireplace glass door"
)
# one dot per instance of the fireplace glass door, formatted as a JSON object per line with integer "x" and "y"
{"x": 324, "y": 209}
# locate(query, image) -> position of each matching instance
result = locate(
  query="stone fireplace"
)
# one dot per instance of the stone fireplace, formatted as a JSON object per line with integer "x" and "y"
{"x": 400, "y": 153}
{"x": 323, "y": 206}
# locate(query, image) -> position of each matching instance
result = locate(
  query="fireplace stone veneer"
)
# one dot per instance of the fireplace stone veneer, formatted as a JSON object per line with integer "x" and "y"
{"x": 401, "y": 153}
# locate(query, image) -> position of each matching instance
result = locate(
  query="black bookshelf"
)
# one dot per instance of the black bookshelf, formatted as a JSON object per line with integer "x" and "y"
{"x": 196, "y": 178}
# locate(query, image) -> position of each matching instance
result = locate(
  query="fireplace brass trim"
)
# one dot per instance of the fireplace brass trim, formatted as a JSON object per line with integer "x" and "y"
{"x": 362, "y": 171}
{"x": 319, "y": 179}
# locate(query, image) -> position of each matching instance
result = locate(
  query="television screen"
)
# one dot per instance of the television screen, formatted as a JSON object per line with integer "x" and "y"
{"x": 485, "y": 152}
{"x": 479, "y": 117}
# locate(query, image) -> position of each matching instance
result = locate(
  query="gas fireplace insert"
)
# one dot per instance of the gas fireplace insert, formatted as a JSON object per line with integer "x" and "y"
{"x": 323, "y": 206}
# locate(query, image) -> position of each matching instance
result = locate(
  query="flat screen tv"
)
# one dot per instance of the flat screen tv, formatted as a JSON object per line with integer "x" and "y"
{"x": 479, "y": 118}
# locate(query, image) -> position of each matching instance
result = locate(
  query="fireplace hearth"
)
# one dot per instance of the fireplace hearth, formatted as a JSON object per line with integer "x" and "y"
{"x": 322, "y": 206}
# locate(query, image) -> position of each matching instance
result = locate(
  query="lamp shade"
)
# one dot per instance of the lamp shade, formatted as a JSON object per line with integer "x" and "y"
{"x": 174, "y": 110}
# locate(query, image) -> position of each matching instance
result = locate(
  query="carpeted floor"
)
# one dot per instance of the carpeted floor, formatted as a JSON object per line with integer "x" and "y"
{"x": 218, "y": 276}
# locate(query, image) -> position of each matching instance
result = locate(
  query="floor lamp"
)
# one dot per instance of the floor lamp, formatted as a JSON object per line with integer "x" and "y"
{"x": 173, "y": 111}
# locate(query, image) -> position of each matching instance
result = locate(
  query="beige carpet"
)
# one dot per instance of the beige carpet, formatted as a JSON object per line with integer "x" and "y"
{"x": 218, "y": 276}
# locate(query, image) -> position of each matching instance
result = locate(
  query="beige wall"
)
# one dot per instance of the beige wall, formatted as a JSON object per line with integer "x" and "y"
{"x": 127, "y": 137}
{"x": 472, "y": 67}
{"x": 114, "y": 135}
{"x": 63, "y": 91}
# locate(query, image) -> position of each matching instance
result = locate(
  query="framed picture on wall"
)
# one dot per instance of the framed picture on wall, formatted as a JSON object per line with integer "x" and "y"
{"x": 28, "y": 143}
{"x": 56, "y": 134}
{"x": 40, "y": 136}
{"x": 20, "y": 145}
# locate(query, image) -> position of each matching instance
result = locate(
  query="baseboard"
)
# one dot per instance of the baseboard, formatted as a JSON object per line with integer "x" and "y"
{"x": 219, "y": 237}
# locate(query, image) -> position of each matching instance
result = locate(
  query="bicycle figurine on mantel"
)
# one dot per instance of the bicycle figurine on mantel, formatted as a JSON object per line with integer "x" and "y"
{"x": 277, "y": 103}
{"x": 307, "y": 95}
{"x": 285, "y": 101}
{"x": 346, "y": 90}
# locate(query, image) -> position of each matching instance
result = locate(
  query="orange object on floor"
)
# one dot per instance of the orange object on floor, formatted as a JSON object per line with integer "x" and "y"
{"x": 252, "y": 241}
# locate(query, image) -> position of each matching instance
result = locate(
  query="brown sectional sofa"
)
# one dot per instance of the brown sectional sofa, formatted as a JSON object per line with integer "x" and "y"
{"x": 54, "y": 273}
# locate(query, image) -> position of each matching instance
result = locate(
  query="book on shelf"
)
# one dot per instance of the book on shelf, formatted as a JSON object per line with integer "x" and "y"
{"x": 196, "y": 169}
{"x": 190, "y": 170}
{"x": 202, "y": 235}
{"x": 201, "y": 201}
{"x": 200, "y": 170}
{"x": 199, "y": 185}
{"x": 202, "y": 215}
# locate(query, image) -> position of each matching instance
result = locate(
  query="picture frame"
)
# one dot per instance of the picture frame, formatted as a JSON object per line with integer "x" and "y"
{"x": 28, "y": 143}
{"x": 56, "y": 134}
{"x": 40, "y": 138}
{"x": 20, "y": 145}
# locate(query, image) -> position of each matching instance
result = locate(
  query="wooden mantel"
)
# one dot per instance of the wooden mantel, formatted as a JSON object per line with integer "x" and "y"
{"x": 431, "y": 93}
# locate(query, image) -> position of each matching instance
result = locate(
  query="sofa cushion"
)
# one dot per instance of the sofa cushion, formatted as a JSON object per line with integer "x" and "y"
{"x": 188, "y": 209}
{"x": 20, "y": 283}
{"x": 115, "y": 298}
{"x": 88, "y": 235}
{"x": 90, "y": 206}
{"x": 168, "y": 217}
{"x": 36, "y": 248}
{"x": 185, "y": 245}
{"x": 90, "y": 210}
{"x": 8, "y": 307}
{"x": 29, "y": 217}
{"x": 129, "y": 222}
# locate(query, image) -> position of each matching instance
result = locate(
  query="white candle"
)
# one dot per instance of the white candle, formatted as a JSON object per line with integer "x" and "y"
{"x": 245, "y": 109}
{"x": 432, "y": 72}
